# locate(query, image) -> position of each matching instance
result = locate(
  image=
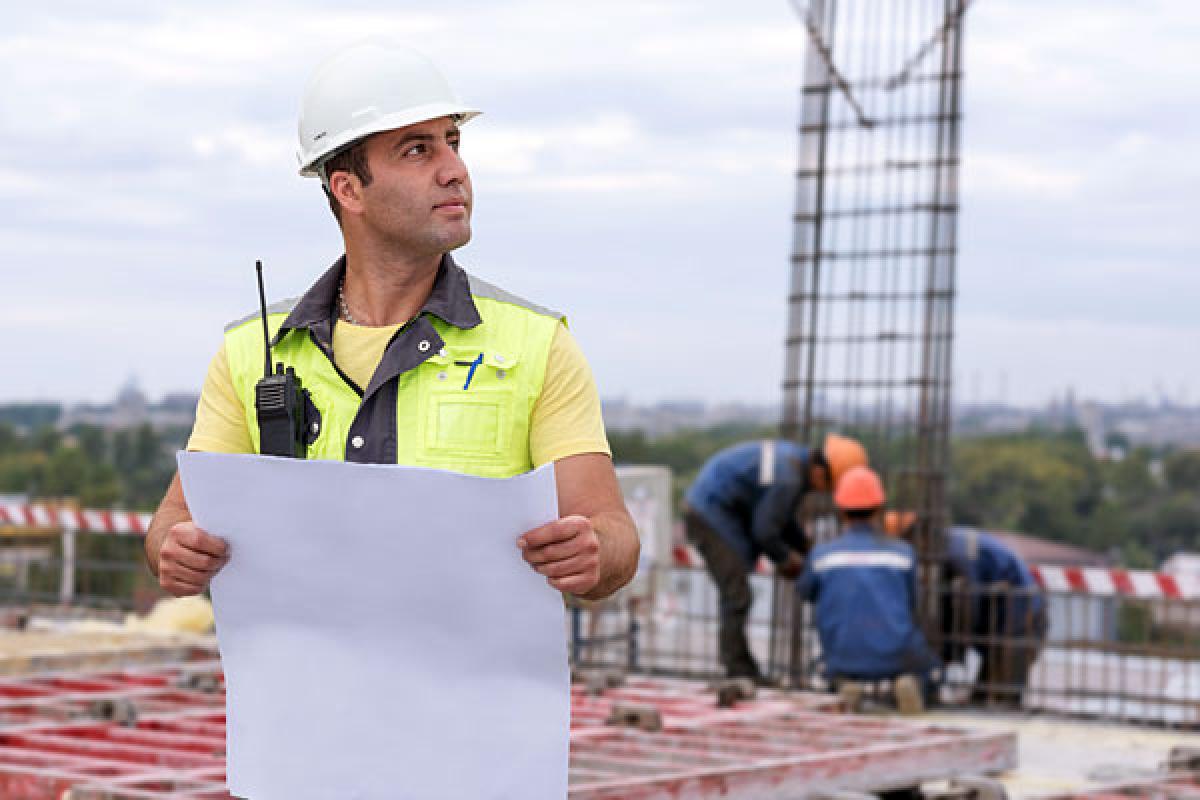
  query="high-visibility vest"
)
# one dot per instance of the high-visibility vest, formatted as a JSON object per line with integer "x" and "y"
{"x": 481, "y": 430}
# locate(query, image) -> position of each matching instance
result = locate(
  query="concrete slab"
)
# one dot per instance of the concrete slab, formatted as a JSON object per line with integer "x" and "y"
{"x": 1056, "y": 755}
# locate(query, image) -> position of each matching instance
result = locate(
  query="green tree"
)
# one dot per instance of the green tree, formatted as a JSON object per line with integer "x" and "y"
{"x": 1181, "y": 470}
{"x": 1044, "y": 484}
{"x": 10, "y": 442}
{"x": 45, "y": 439}
{"x": 65, "y": 474}
{"x": 1130, "y": 480}
{"x": 92, "y": 441}
{"x": 102, "y": 488}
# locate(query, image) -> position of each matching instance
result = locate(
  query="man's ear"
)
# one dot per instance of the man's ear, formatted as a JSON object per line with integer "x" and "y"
{"x": 347, "y": 189}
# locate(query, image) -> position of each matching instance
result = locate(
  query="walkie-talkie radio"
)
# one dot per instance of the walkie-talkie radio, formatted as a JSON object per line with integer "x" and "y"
{"x": 280, "y": 400}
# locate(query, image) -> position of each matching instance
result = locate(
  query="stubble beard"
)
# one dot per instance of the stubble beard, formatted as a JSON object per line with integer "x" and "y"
{"x": 433, "y": 240}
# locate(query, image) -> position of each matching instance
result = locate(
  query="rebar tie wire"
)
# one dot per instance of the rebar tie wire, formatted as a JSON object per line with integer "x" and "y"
{"x": 952, "y": 18}
{"x": 892, "y": 83}
{"x": 810, "y": 25}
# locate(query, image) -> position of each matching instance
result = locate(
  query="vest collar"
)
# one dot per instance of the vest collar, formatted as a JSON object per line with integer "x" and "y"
{"x": 449, "y": 300}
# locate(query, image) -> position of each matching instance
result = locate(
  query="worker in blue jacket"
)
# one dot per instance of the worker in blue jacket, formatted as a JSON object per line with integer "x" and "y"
{"x": 743, "y": 505}
{"x": 863, "y": 587}
{"x": 1002, "y": 610}
{"x": 991, "y": 604}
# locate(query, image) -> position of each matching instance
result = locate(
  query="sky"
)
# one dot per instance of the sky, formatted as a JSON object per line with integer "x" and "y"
{"x": 633, "y": 168}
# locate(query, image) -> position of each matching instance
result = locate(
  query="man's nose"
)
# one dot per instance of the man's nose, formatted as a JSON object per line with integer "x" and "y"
{"x": 452, "y": 168}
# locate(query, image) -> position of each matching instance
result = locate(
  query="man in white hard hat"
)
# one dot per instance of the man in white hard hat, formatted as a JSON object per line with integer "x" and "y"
{"x": 408, "y": 358}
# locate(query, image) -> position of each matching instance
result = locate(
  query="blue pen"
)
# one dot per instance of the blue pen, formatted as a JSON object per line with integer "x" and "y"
{"x": 471, "y": 372}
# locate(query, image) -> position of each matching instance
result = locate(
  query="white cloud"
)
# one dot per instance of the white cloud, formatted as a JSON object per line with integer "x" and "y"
{"x": 252, "y": 145}
{"x": 645, "y": 149}
{"x": 599, "y": 182}
{"x": 1018, "y": 174}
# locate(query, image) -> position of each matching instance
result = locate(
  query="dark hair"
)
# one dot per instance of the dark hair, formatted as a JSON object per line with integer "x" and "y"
{"x": 349, "y": 159}
{"x": 860, "y": 514}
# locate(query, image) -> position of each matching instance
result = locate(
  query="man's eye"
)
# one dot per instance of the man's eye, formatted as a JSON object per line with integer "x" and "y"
{"x": 454, "y": 143}
{"x": 415, "y": 150}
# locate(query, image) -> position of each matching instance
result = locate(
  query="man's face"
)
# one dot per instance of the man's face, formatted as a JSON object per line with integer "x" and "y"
{"x": 419, "y": 198}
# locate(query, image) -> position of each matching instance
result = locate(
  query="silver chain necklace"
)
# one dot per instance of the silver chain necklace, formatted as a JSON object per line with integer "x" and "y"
{"x": 345, "y": 309}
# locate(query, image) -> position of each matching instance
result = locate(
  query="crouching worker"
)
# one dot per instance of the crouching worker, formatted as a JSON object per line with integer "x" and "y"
{"x": 990, "y": 603}
{"x": 863, "y": 587}
{"x": 1003, "y": 611}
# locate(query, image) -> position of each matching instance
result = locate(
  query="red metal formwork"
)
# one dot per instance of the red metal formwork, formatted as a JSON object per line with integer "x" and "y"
{"x": 767, "y": 753}
{"x": 154, "y": 732}
{"x": 680, "y": 701}
{"x": 66, "y": 697}
{"x": 165, "y": 756}
{"x": 776, "y": 745}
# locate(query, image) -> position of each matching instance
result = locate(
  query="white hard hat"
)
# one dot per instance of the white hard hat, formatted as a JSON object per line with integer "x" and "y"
{"x": 371, "y": 86}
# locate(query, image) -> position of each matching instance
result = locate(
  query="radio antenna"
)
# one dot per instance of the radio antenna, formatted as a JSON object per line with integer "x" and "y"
{"x": 262, "y": 301}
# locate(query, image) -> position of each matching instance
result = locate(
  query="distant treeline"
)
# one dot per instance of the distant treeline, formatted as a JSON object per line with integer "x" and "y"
{"x": 30, "y": 416}
{"x": 1140, "y": 509}
{"x": 1046, "y": 483}
{"x": 98, "y": 468}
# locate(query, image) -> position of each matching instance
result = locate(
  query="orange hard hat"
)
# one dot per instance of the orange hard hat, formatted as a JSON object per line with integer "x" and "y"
{"x": 859, "y": 490}
{"x": 897, "y": 523}
{"x": 841, "y": 454}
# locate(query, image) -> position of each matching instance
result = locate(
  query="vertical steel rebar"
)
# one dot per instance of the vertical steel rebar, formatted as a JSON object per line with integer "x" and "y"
{"x": 870, "y": 311}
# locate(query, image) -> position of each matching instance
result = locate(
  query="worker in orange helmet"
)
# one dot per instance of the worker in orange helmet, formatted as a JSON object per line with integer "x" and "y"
{"x": 743, "y": 505}
{"x": 863, "y": 586}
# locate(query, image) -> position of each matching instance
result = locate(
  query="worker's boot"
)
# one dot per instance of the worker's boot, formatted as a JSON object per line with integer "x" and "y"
{"x": 851, "y": 695}
{"x": 909, "y": 699}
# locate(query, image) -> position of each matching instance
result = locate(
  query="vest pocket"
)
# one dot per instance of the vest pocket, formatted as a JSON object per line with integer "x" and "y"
{"x": 468, "y": 426}
{"x": 466, "y": 423}
{"x": 469, "y": 396}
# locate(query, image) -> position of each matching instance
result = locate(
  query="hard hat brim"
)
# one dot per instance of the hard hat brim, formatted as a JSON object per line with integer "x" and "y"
{"x": 310, "y": 162}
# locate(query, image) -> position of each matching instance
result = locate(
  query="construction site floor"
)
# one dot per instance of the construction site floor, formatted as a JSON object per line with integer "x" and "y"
{"x": 1059, "y": 755}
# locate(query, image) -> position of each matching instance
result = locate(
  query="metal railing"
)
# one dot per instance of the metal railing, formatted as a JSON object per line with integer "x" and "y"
{"x": 76, "y": 570}
{"x": 1067, "y": 651}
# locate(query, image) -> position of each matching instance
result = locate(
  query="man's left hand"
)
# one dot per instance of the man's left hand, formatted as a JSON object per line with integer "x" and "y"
{"x": 566, "y": 551}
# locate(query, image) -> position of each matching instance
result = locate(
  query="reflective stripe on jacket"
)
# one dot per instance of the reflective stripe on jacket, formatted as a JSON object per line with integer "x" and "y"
{"x": 749, "y": 493}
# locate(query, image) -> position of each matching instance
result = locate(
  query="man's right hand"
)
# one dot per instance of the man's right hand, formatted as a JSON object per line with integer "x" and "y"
{"x": 189, "y": 558}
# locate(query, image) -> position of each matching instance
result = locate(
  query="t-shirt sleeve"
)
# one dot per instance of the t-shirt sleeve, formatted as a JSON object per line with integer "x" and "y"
{"x": 566, "y": 417}
{"x": 220, "y": 417}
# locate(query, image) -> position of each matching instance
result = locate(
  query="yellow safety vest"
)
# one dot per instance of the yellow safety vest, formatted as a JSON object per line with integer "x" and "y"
{"x": 481, "y": 430}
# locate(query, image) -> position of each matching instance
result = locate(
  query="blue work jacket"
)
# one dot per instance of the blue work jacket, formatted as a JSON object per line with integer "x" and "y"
{"x": 863, "y": 586}
{"x": 749, "y": 493}
{"x": 986, "y": 562}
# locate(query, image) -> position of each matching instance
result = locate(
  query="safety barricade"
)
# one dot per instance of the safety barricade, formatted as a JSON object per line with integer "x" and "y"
{"x": 1110, "y": 644}
{"x": 73, "y": 557}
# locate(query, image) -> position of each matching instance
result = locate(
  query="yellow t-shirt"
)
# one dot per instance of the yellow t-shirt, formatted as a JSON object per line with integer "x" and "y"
{"x": 566, "y": 417}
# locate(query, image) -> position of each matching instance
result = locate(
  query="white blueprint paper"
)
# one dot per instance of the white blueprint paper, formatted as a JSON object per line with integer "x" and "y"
{"x": 380, "y": 634}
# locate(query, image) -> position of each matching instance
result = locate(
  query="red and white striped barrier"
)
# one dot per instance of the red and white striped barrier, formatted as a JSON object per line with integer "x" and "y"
{"x": 87, "y": 521}
{"x": 1075, "y": 580}
{"x": 1116, "y": 582}
{"x": 1070, "y": 580}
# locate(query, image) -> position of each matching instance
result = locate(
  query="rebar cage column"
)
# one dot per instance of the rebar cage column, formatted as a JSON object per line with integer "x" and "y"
{"x": 870, "y": 306}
